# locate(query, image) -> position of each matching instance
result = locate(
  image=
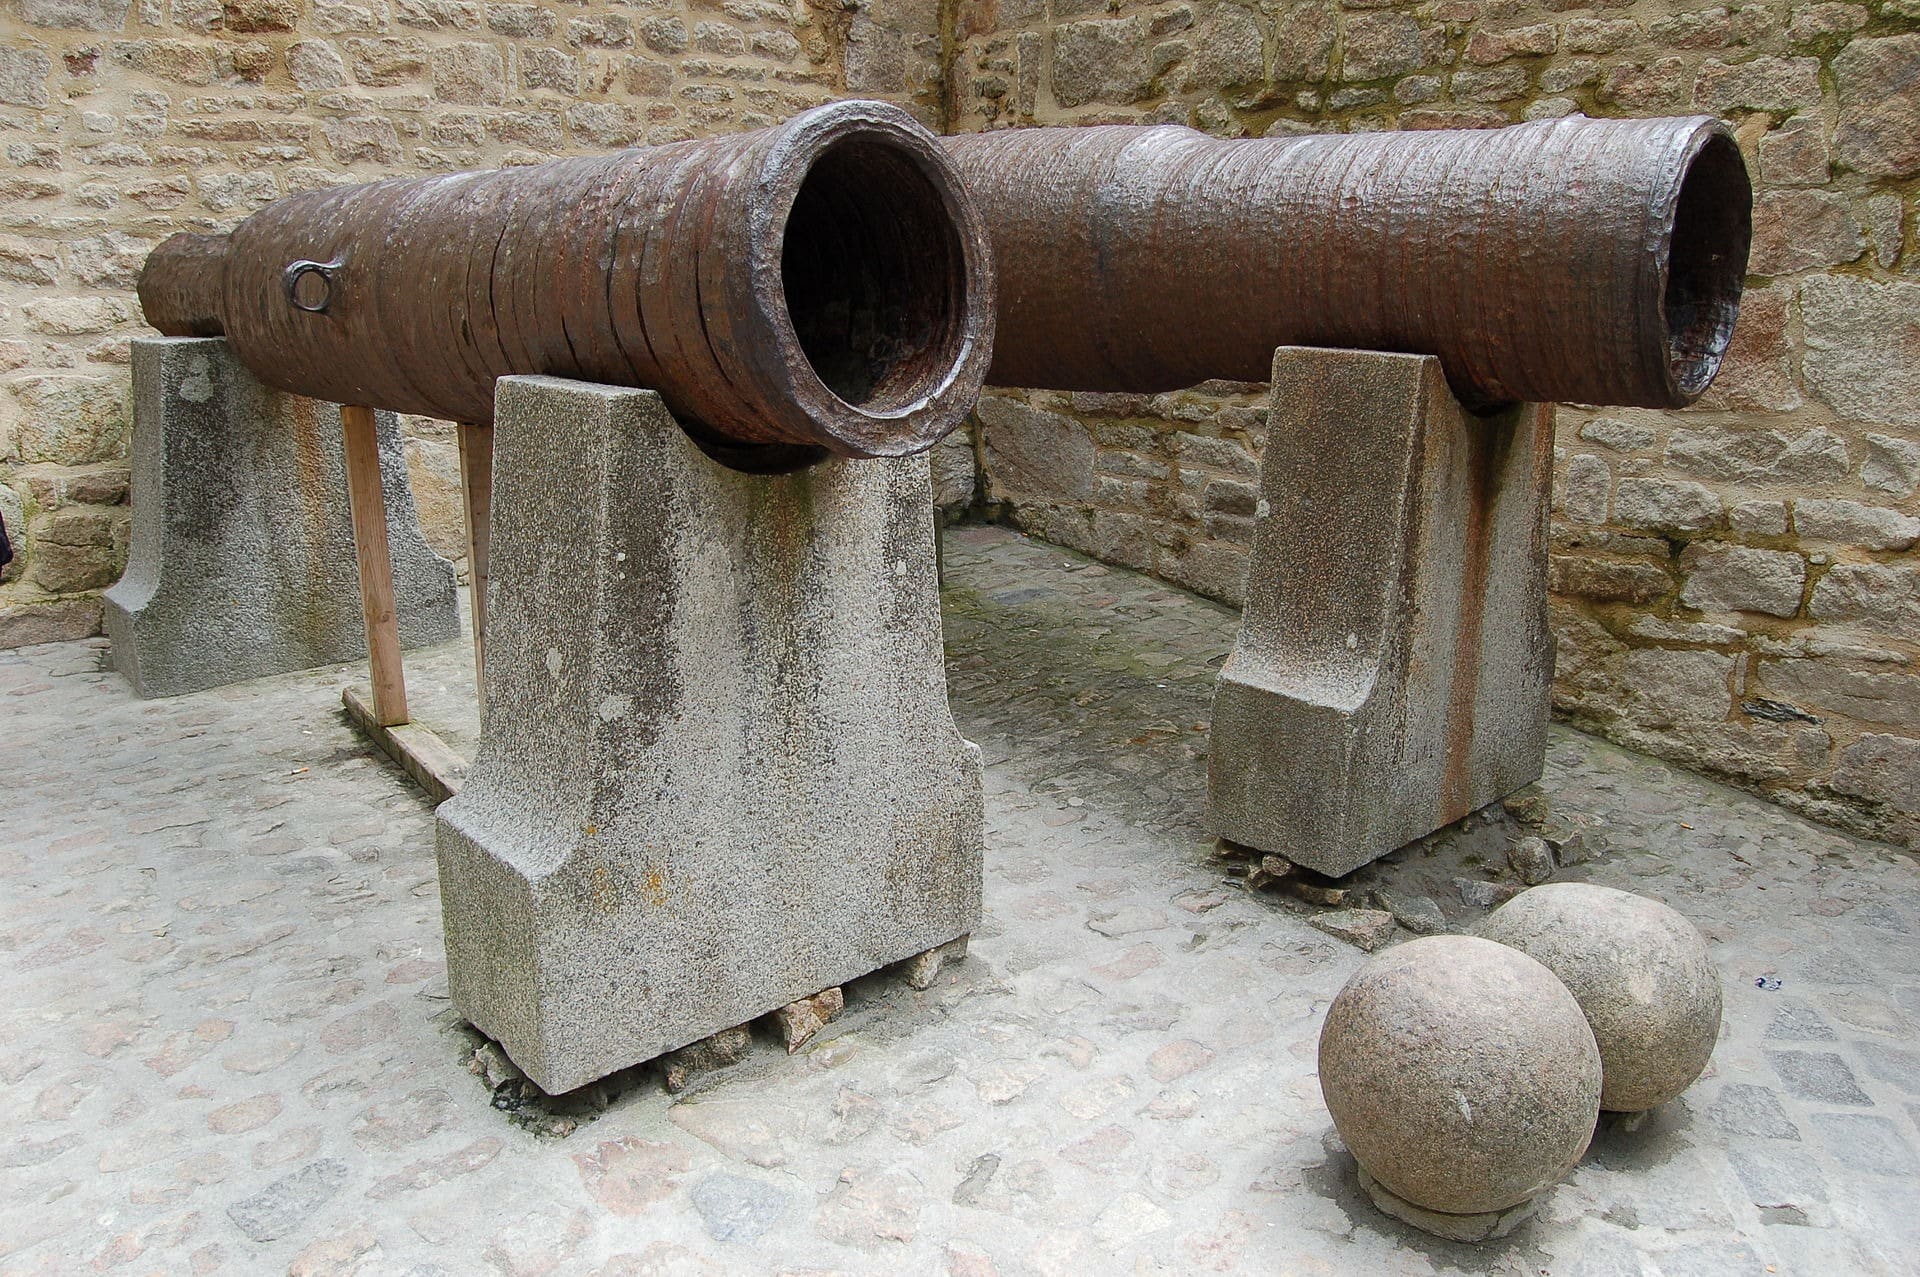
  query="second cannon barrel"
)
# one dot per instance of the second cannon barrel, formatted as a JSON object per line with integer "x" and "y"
{"x": 1574, "y": 260}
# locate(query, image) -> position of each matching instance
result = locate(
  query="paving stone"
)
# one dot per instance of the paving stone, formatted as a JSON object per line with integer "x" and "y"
{"x": 1864, "y": 1142}
{"x": 1897, "y": 1065}
{"x": 1366, "y": 928}
{"x": 1532, "y": 860}
{"x": 1820, "y": 1076}
{"x": 1782, "y": 1182}
{"x": 284, "y": 1205}
{"x": 736, "y": 1209}
{"x": 1744, "y": 1109}
{"x": 1418, "y": 914}
{"x": 1799, "y": 1024}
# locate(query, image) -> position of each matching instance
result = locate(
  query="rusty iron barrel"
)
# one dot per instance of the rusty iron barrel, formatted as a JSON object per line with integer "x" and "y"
{"x": 822, "y": 284}
{"x": 1573, "y": 260}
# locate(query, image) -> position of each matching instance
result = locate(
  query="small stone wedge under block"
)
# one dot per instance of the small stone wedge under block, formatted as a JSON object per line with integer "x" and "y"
{"x": 1394, "y": 666}
{"x": 242, "y": 561}
{"x": 719, "y": 772}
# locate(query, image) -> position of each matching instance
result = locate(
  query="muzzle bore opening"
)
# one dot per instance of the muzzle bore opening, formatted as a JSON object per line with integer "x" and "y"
{"x": 874, "y": 274}
{"x": 1707, "y": 263}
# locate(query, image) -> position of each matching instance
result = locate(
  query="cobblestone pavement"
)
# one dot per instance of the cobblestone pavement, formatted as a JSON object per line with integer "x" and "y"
{"x": 229, "y": 1049}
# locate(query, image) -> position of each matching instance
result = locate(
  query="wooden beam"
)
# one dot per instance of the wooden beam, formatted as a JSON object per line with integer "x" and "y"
{"x": 425, "y": 757}
{"x": 369, "y": 503}
{"x": 476, "y": 490}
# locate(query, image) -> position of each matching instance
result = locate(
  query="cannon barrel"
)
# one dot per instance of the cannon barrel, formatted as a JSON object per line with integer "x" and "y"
{"x": 822, "y": 284}
{"x": 1573, "y": 260}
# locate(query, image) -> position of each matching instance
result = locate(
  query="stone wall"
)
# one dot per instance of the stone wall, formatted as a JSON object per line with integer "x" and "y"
{"x": 1735, "y": 585}
{"x": 126, "y": 120}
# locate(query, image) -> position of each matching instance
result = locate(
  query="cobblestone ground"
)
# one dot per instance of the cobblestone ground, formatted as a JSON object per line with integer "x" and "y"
{"x": 229, "y": 1049}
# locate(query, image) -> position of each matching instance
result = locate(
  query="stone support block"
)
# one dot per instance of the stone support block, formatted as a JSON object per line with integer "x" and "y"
{"x": 718, "y": 772}
{"x": 1393, "y": 667}
{"x": 242, "y": 562}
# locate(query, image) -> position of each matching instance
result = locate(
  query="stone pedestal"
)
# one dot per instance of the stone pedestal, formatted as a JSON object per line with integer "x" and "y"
{"x": 1394, "y": 665}
{"x": 718, "y": 773}
{"x": 242, "y": 562}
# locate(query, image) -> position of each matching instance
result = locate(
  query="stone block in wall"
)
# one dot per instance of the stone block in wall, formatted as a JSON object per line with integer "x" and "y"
{"x": 1102, "y": 60}
{"x": 69, "y": 419}
{"x": 1762, "y": 518}
{"x": 1882, "y": 768}
{"x": 1380, "y": 44}
{"x": 53, "y": 621}
{"x": 29, "y": 261}
{"x": 1033, "y": 453}
{"x": 23, "y": 77}
{"x": 1303, "y": 40}
{"x": 1487, "y": 47}
{"x": 1815, "y": 22}
{"x": 1852, "y": 523}
{"x": 1796, "y": 154}
{"x": 1607, "y": 580}
{"x": 1827, "y": 686}
{"x": 471, "y": 73}
{"x": 1892, "y": 465}
{"x": 1797, "y": 231}
{"x": 77, "y": 15}
{"x": 111, "y": 259}
{"x": 433, "y": 472}
{"x": 1584, "y": 492}
{"x": 1650, "y": 86}
{"x": 1851, "y": 324}
{"x": 1762, "y": 84}
{"x": 385, "y": 61}
{"x": 77, "y": 548}
{"x": 1620, "y": 436}
{"x": 1231, "y": 52}
{"x": 1878, "y": 133}
{"x": 1667, "y": 505}
{"x": 1884, "y": 596}
{"x": 1757, "y": 373}
{"x": 1661, "y": 687}
{"x": 1739, "y": 453}
{"x": 1735, "y": 578}
{"x": 316, "y": 65}
{"x": 955, "y": 471}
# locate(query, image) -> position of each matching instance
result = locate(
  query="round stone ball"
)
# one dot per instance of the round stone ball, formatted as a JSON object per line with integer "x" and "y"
{"x": 1460, "y": 1073}
{"x": 1638, "y": 969}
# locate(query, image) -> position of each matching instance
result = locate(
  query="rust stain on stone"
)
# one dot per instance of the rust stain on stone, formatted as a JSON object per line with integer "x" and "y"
{"x": 1487, "y": 444}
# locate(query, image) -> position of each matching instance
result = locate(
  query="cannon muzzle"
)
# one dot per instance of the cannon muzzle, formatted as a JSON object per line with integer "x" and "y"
{"x": 822, "y": 284}
{"x": 1573, "y": 260}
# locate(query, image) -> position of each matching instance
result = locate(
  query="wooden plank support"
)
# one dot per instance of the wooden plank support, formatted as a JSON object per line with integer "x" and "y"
{"x": 476, "y": 490}
{"x": 421, "y": 754}
{"x": 369, "y": 503}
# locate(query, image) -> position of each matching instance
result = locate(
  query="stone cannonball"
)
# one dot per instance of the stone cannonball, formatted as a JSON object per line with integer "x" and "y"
{"x": 1639, "y": 970}
{"x": 1460, "y": 1073}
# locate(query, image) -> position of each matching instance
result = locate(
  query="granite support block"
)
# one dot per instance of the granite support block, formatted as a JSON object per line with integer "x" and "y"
{"x": 718, "y": 772}
{"x": 1394, "y": 666}
{"x": 242, "y": 562}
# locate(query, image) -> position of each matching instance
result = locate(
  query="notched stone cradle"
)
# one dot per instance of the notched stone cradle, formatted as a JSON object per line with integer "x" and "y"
{"x": 718, "y": 772}
{"x": 241, "y": 563}
{"x": 1394, "y": 667}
